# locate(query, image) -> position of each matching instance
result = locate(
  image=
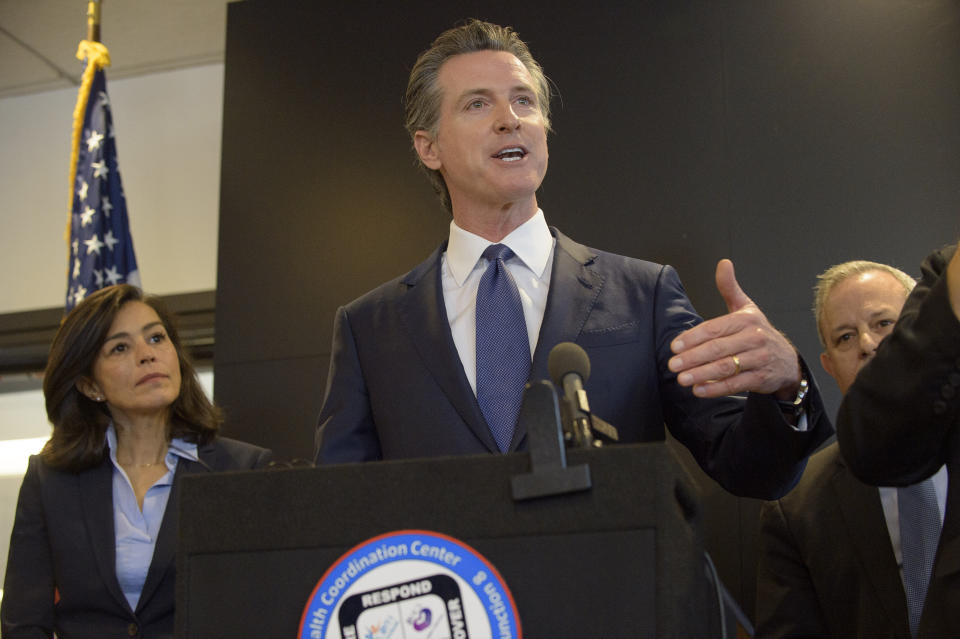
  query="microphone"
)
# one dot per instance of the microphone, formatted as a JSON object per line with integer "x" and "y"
{"x": 569, "y": 367}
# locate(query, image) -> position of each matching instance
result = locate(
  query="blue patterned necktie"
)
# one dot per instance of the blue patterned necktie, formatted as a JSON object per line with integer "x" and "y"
{"x": 919, "y": 536}
{"x": 503, "y": 347}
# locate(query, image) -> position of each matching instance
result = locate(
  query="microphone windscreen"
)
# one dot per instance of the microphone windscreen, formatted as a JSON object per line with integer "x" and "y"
{"x": 567, "y": 357}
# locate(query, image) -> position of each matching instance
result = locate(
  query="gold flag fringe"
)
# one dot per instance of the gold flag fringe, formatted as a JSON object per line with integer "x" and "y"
{"x": 97, "y": 57}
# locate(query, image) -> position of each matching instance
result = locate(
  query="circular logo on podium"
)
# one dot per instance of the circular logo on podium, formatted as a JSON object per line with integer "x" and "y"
{"x": 411, "y": 584}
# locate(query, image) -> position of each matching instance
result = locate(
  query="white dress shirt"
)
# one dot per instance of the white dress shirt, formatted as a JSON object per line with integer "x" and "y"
{"x": 462, "y": 266}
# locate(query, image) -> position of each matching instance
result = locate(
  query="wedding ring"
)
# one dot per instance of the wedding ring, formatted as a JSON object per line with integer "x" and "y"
{"x": 736, "y": 366}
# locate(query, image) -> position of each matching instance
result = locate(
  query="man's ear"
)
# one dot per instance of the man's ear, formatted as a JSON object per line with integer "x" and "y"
{"x": 426, "y": 147}
{"x": 827, "y": 364}
{"x": 89, "y": 388}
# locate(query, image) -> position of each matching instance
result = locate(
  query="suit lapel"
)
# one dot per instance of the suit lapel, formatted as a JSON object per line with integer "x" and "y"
{"x": 948, "y": 551}
{"x": 424, "y": 316}
{"x": 96, "y": 497}
{"x": 939, "y": 614}
{"x": 164, "y": 551}
{"x": 575, "y": 286}
{"x": 863, "y": 516}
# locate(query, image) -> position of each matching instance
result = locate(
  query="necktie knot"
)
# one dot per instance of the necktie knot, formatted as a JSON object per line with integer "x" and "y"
{"x": 496, "y": 252}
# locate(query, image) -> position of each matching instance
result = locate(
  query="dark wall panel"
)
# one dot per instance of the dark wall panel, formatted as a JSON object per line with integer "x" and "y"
{"x": 281, "y": 402}
{"x": 842, "y": 144}
{"x": 786, "y": 135}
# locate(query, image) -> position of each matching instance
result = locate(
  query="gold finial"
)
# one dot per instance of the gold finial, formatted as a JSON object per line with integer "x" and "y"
{"x": 93, "y": 20}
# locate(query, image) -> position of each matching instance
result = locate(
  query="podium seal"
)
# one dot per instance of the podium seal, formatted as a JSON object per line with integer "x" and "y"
{"x": 411, "y": 584}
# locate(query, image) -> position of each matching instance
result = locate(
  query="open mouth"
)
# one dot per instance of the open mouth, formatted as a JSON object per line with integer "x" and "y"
{"x": 511, "y": 154}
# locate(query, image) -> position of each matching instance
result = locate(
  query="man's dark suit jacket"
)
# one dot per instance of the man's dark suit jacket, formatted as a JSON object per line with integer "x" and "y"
{"x": 900, "y": 421}
{"x": 827, "y": 567}
{"x": 63, "y": 541}
{"x": 397, "y": 389}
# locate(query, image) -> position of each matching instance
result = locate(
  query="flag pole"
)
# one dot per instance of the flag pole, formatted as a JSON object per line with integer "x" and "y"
{"x": 97, "y": 57}
{"x": 93, "y": 21}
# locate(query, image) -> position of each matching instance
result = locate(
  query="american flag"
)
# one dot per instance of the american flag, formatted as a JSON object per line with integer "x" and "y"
{"x": 101, "y": 249}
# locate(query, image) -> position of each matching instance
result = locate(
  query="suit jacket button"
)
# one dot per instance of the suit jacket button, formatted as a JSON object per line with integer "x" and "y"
{"x": 939, "y": 407}
{"x": 133, "y": 630}
{"x": 947, "y": 391}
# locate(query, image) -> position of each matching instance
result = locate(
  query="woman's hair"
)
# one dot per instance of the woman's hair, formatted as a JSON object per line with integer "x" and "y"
{"x": 79, "y": 423}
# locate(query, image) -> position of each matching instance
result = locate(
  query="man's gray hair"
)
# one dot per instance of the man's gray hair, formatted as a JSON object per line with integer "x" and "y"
{"x": 827, "y": 280}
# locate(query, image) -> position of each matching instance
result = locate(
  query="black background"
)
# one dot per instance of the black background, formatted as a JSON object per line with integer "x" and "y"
{"x": 787, "y": 136}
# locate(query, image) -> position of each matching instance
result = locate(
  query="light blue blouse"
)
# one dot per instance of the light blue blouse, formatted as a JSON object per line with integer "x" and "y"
{"x": 136, "y": 531}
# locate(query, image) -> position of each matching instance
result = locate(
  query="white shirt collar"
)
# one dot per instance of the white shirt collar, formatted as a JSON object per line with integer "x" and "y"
{"x": 531, "y": 242}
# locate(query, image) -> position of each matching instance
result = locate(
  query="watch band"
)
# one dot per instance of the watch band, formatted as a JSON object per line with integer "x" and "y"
{"x": 796, "y": 406}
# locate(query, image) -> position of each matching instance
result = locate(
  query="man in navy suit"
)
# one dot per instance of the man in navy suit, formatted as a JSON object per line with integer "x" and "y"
{"x": 404, "y": 367}
{"x": 831, "y": 555}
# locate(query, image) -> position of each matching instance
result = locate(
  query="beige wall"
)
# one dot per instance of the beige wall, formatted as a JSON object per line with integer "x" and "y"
{"x": 168, "y": 141}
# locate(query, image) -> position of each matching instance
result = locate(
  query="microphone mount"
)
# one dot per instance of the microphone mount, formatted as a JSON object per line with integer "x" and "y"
{"x": 569, "y": 367}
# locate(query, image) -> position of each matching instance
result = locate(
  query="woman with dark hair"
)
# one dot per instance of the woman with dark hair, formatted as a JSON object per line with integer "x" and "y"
{"x": 93, "y": 543}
